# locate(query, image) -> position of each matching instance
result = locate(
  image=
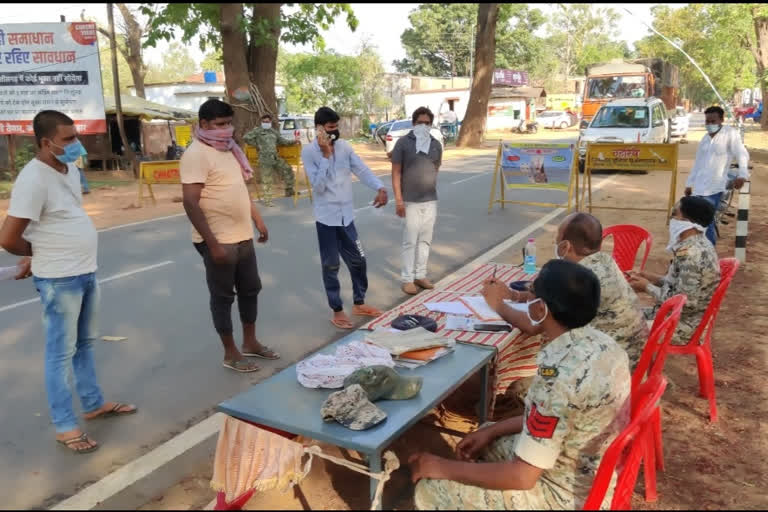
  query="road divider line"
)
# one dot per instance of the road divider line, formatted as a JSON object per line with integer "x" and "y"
{"x": 101, "y": 281}
{"x": 470, "y": 178}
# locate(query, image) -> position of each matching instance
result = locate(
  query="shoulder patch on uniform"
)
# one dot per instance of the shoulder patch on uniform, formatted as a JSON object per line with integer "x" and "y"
{"x": 539, "y": 425}
{"x": 548, "y": 371}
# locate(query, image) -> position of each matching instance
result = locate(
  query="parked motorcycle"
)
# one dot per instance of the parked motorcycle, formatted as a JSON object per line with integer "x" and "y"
{"x": 530, "y": 127}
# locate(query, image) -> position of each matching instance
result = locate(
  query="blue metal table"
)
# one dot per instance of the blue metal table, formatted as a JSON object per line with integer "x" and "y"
{"x": 282, "y": 403}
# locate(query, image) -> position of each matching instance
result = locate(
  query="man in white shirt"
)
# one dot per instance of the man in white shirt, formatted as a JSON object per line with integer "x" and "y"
{"x": 46, "y": 221}
{"x": 716, "y": 151}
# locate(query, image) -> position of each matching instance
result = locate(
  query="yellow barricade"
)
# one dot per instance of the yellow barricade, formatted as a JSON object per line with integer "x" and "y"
{"x": 631, "y": 157}
{"x": 163, "y": 172}
{"x": 292, "y": 156}
{"x": 183, "y": 134}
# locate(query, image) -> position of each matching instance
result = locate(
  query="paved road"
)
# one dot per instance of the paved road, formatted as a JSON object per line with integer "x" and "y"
{"x": 154, "y": 294}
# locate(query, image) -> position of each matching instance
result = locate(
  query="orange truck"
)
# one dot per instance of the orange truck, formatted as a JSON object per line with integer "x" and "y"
{"x": 638, "y": 78}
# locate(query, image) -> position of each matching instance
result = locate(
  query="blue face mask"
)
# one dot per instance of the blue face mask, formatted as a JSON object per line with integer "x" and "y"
{"x": 72, "y": 152}
{"x": 713, "y": 128}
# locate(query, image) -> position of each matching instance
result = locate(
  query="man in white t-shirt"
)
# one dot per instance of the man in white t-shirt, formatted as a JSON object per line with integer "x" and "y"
{"x": 46, "y": 221}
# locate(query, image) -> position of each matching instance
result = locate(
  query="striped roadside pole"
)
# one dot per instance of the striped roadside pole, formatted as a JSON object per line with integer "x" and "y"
{"x": 742, "y": 217}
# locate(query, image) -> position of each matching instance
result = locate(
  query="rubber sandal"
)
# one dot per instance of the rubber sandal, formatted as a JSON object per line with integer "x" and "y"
{"x": 82, "y": 438}
{"x": 264, "y": 348}
{"x": 115, "y": 411}
{"x": 338, "y": 326}
{"x": 370, "y": 312}
{"x": 241, "y": 366}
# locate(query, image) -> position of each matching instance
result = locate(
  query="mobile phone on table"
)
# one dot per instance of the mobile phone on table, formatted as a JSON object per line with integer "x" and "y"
{"x": 493, "y": 327}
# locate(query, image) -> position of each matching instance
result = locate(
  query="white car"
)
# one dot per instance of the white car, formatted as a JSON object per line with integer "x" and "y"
{"x": 300, "y": 128}
{"x": 629, "y": 120}
{"x": 554, "y": 119}
{"x": 680, "y": 122}
{"x": 401, "y": 129}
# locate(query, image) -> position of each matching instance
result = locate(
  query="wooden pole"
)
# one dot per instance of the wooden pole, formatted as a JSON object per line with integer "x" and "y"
{"x": 127, "y": 151}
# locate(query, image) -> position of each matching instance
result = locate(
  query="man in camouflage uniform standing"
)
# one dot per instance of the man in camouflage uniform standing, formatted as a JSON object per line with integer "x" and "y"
{"x": 266, "y": 139}
{"x": 577, "y": 404}
{"x": 694, "y": 271}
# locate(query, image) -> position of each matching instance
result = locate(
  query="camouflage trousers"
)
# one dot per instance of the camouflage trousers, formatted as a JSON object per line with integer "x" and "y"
{"x": 449, "y": 495}
{"x": 684, "y": 329}
{"x": 285, "y": 172}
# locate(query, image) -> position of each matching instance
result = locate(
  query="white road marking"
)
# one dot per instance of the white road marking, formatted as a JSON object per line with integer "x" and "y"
{"x": 101, "y": 281}
{"x": 470, "y": 178}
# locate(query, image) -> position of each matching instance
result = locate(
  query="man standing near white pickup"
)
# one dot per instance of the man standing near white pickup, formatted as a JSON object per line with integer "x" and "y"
{"x": 716, "y": 151}
{"x": 416, "y": 160}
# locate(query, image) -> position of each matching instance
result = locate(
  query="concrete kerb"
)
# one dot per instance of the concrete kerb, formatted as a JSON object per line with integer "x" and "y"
{"x": 139, "y": 481}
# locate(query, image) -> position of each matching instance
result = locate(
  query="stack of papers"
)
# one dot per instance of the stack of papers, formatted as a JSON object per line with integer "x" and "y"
{"x": 411, "y": 348}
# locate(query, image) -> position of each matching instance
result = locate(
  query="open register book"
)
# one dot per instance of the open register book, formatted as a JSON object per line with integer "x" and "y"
{"x": 411, "y": 348}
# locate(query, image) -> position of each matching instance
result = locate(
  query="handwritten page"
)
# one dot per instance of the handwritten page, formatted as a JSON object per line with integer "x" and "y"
{"x": 450, "y": 308}
{"x": 480, "y": 308}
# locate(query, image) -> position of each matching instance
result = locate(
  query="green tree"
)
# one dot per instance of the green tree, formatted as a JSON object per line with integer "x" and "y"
{"x": 712, "y": 35}
{"x": 177, "y": 64}
{"x": 441, "y": 38}
{"x": 325, "y": 78}
{"x": 213, "y": 61}
{"x": 372, "y": 98}
{"x": 105, "y": 63}
{"x": 256, "y": 27}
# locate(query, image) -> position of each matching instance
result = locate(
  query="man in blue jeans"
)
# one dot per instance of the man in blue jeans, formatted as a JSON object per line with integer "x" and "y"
{"x": 46, "y": 221}
{"x": 330, "y": 163}
{"x": 714, "y": 155}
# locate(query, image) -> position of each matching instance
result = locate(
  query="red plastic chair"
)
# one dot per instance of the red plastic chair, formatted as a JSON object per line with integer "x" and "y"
{"x": 650, "y": 366}
{"x": 627, "y": 239}
{"x": 627, "y": 451}
{"x": 700, "y": 343}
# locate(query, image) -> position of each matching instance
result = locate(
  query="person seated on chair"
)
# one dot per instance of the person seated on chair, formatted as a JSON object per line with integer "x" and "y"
{"x": 694, "y": 270}
{"x": 578, "y": 402}
{"x": 579, "y": 239}
{"x": 266, "y": 139}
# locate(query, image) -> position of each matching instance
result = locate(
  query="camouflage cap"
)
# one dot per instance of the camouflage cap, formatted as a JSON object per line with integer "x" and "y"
{"x": 351, "y": 408}
{"x": 384, "y": 382}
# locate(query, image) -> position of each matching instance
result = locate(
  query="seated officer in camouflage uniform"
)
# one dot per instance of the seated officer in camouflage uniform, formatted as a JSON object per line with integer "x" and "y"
{"x": 266, "y": 139}
{"x": 579, "y": 239}
{"x": 694, "y": 270}
{"x": 577, "y": 404}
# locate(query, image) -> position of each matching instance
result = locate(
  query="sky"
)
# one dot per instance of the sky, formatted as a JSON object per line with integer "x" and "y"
{"x": 372, "y": 18}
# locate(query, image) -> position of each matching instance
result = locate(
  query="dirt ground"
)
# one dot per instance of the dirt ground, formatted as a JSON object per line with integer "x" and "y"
{"x": 708, "y": 466}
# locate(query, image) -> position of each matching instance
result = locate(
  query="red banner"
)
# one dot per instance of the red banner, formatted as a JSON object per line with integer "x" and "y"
{"x": 83, "y": 127}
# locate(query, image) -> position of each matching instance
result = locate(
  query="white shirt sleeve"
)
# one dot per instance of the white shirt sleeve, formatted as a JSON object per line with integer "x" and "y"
{"x": 695, "y": 170}
{"x": 737, "y": 149}
{"x": 28, "y": 196}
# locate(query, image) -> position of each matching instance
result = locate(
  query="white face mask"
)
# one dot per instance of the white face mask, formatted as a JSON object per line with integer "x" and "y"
{"x": 546, "y": 311}
{"x": 266, "y": 126}
{"x": 421, "y": 130}
{"x": 677, "y": 227}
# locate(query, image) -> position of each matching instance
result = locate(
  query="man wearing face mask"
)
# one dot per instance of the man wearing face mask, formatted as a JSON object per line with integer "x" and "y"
{"x": 266, "y": 139}
{"x": 46, "y": 221}
{"x": 577, "y": 404}
{"x": 213, "y": 174}
{"x": 694, "y": 270}
{"x": 714, "y": 155}
{"x": 330, "y": 163}
{"x": 416, "y": 159}
{"x": 579, "y": 239}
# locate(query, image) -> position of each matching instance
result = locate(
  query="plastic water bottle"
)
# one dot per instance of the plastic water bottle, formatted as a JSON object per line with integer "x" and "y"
{"x": 529, "y": 265}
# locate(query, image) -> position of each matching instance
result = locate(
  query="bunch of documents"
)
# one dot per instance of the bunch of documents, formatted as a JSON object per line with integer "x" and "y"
{"x": 412, "y": 348}
{"x": 469, "y": 310}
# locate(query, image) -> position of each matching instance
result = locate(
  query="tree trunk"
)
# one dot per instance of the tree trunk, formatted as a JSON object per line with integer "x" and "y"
{"x": 127, "y": 150}
{"x": 262, "y": 56}
{"x": 236, "y": 67}
{"x": 472, "y": 127}
{"x": 133, "y": 51}
{"x": 761, "y": 55}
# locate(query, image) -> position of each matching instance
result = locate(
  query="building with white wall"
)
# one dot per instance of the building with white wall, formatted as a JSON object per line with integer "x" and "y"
{"x": 195, "y": 90}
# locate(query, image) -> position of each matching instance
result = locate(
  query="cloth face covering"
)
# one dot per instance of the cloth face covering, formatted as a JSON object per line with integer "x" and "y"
{"x": 423, "y": 138}
{"x": 222, "y": 140}
{"x": 677, "y": 227}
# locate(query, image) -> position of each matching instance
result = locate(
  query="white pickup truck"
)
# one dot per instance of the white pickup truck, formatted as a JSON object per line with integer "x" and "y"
{"x": 680, "y": 122}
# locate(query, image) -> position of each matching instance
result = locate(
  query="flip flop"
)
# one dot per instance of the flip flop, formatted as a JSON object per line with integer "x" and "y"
{"x": 115, "y": 411}
{"x": 241, "y": 366}
{"x": 264, "y": 348}
{"x": 368, "y": 311}
{"x": 339, "y": 326}
{"x": 82, "y": 438}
